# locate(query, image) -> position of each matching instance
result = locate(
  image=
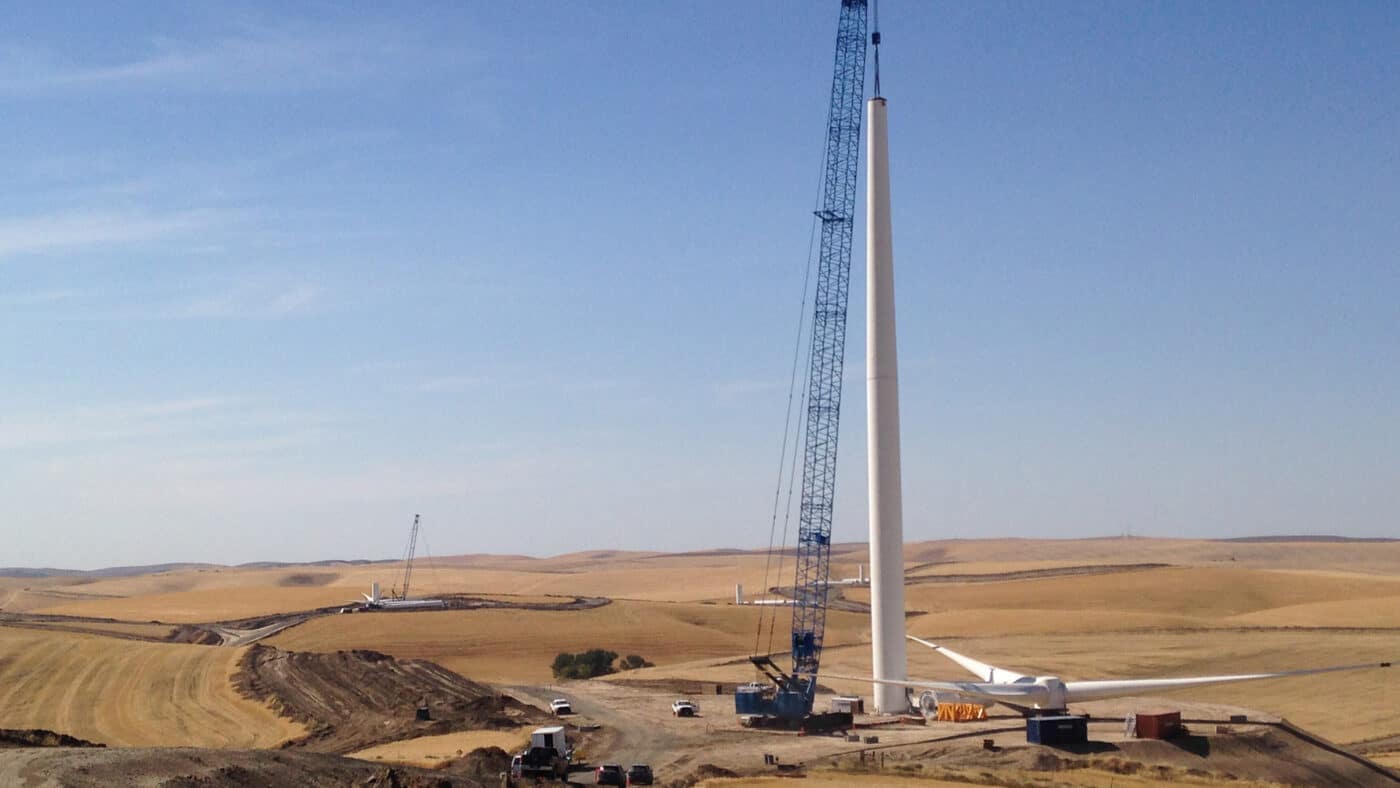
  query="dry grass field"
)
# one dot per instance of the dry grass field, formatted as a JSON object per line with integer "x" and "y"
{"x": 192, "y": 595}
{"x": 121, "y": 629}
{"x": 1171, "y": 597}
{"x": 430, "y": 751}
{"x": 220, "y": 594}
{"x": 517, "y": 647}
{"x": 124, "y": 693}
{"x": 1391, "y": 760}
{"x": 1219, "y": 607}
{"x": 207, "y": 604}
{"x": 1351, "y": 557}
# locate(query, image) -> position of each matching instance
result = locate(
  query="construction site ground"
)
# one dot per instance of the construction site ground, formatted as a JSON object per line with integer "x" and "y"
{"x": 635, "y": 725}
{"x": 362, "y": 702}
{"x": 44, "y": 767}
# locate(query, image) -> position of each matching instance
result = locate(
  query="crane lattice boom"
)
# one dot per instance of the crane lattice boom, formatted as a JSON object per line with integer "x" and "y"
{"x": 408, "y": 561}
{"x": 828, "y": 349}
{"x": 795, "y": 691}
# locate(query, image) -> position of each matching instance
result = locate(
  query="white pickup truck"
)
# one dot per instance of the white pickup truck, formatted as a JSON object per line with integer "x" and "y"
{"x": 684, "y": 708}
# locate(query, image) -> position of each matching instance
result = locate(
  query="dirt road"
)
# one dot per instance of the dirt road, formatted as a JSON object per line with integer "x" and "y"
{"x": 636, "y": 726}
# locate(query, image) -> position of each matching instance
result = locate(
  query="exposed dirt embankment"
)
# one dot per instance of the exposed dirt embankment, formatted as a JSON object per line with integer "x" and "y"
{"x": 351, "y": 700}
{"x": 186, "y": 768}
{"x": 38, "y": 737}
{"x": 484, "y": 764}
{"x": 198, "y": 635}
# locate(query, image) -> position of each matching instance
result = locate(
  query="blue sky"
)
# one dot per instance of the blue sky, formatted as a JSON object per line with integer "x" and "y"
{"x": 272, "y": 281}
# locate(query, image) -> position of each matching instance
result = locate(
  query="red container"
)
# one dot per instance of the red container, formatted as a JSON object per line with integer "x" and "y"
{"x": 1158, "y": 724}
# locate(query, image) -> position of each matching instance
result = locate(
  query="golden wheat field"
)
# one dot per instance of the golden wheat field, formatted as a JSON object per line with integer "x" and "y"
{"x": 517, "y": 647}
{"x": 1220, "y": 607}
{"x": 430, "y": 751}
{"x": 192, "y": 596}
{"x": 125, "y": 693}
{"x": 1204, "y": 596}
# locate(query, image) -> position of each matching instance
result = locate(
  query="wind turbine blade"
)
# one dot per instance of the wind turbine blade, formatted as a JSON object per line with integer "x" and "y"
{"x": 1077, "y": 691}
{"x": 992, "y": 693}
{"x": 981, "y": 670}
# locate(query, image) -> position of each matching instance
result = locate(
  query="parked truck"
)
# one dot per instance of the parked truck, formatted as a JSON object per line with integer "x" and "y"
{"x": 549, "y": 755}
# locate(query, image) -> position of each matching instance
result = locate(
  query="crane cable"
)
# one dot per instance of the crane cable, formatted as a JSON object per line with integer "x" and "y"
{"x": 788, "y": 423}
{"x": 432, "y": 567}
{"x": 787, "y": 506}
{"x": 788, "y": 427}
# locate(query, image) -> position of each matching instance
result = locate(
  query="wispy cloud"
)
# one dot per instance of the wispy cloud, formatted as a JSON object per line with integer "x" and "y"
{"x": 262, "y": 58}
{"x": 252, "y": 296}
{"x": 251, "y": 299}
{"x": 453, "y": 384}
{"x": 192, "y": 432}
{"x": 169, "y": 407}
{"x": 63, "y": 231}
{"x": 104, "y": 423}
{"x": 37, "y": 297}
{"x": 744, "y": 388}
{"x": 379, "y": 366}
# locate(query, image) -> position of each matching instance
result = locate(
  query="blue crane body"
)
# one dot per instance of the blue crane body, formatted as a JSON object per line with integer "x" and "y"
{"x": 792, "y": 694}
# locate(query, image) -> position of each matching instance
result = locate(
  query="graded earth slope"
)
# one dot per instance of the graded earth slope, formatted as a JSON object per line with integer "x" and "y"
{"x": 131, "y": 694}
{"x": 351, "y": 700}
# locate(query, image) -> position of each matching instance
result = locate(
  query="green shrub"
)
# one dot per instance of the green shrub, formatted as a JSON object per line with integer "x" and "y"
{"x": 584, "y": 664}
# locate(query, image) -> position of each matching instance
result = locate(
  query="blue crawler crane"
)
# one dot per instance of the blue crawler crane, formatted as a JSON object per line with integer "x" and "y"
{"x": 787, "y": 701}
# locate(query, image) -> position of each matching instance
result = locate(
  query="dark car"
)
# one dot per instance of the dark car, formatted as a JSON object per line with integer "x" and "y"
{"x": 611, "y": 774}
{"x": 639, "y": 774}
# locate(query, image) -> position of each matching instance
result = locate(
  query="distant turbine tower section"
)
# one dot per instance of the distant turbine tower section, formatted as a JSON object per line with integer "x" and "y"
{"x": 882, "y": 412}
